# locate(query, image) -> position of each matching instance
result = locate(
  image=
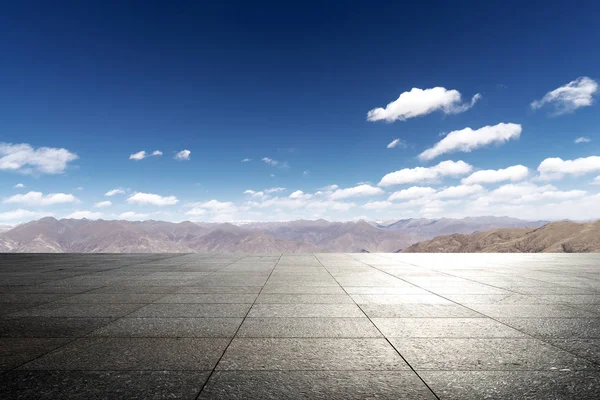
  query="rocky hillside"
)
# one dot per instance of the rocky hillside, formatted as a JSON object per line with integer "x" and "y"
{"x": 555, "y": 237}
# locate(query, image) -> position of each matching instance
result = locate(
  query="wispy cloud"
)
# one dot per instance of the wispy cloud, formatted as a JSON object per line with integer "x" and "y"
{"x": 152, "y": 199}
{"x": 25, "y": 159}
{"x": 515, "y": 173}
{"x": 39, "y": 199}
{"x": 183, "y": 155}
{"x": 467, "y": 140}
{"x": 103, "y": 204}
{"x": 19, "y": 186}
{"x": 419, "y": 102}
{"x": 113, "y": 192}
{"x": 140, "y": 155}
{"x": 396, "y": 143}
{"x": 568, "y": 98}
{"x": 246, "y": 160}
{"x": 423, "y": 174}
{"x": 582, "y": 140}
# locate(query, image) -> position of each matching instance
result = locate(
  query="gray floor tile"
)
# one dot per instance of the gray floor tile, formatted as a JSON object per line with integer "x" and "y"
{"x": 78, "y": 310}
{"x": 445, "y": 328}
{"x": 208, "y": 298}
{"x": 513, "y": 385}
{"x": 418, "y": 311}
{"x": 53, "y": 327}
{"x": 308, "y": 327}
{"x": 86, "y": 385}
{"x": 311, "y": 354}
{"x": 16, "y": 351}
{"x": 553, "y": 328}
{"x": 486, "y": 354}
{"x": 133, "y": 354}
{"x": 170, "y": 327}
{"x": 291, "y": 310}
{"x": 193, "y": 310}
{"x": 304, "y": 298}
{"x": 324, "y": 385}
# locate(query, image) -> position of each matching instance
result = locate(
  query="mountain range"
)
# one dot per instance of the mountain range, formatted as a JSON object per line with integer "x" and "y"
{"x": 49, "y": 235}
{"x": 555, "y": 237}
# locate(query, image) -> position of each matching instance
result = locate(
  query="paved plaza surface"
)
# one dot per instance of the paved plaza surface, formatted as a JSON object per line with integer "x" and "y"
{"x": 322, "y": 326}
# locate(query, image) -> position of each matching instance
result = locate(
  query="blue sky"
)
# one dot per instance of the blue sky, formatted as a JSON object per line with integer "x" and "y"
{"x": 295, "y": 84}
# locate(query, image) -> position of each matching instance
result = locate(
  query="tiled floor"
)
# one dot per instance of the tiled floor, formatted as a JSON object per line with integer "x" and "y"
{"x": 323, "y": 326}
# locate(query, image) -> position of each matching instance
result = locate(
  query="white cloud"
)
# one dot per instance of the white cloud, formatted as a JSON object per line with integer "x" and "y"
{"x": 378, "y": 205}
{"x": 329, "y": 188}
{"x": 596, "y": 180}
{"x": 467, "y": 139}
{"x": 246, "y": 160}
{"x": 132, "y": 216}
{"x": 568, "y": 98}
{"x": 113, "y": 192}
{"x": 307, "y": 172}
{"x": 183, "y": 155}
{"x": 299, "y": 194}
{"x": 459, "y": 191}
{"x": 157, "y": 153}
{"x": 582, "y": 140}
{"x": 103, "y": 204}
{"x": 413, "y": 192}
{"x": 275, "y": 190}
{"x": 20, "y": 215}
{"x": 85, "y": 214}
{"x": 25, "y": 159}
{"x": 38, "y": 199}
{"x": 357, "y": 191}
{"x": 140, "y": 155}
{"x": 515, "y": 173}
{"x": 556, "y": 168}
{"x": 396, "y": 143}
{"x": 420, "y": 102}
{"x": 215, "y": 206}
{"x": 422, "y": 174}
{"x": 19, "y": 186}
{"x": 196, "y": 212}
{"x": 152, "y": 199}
{"x": 270, "y": 161}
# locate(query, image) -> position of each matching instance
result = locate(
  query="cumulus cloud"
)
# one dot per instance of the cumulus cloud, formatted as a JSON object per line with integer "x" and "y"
{"x": 19, "y": 186}
{"x": 103, "y": 204}
{"x": 25, "y": 159}
{"x": 85, "y": 214}
{"x": 215, "y": 206}
{"x": 396, "y": 143}
{"x": 329, "y": 188}
{"x": 556, "y": 168}
{"x": 151, "y": 199}
{"x": 582, "y": 140}
{"x": 183, "y": 155}
{"x": 459, "y": 191}
{"x": 378, "y": 205}
{"x": 515, "y": 173}
{"x": 299, "y": 194}
{"x": 196, "y": 212}
{"x": 38, "y": 199}
{"x": 423, "y": 174}
{"x": 419, "y": 102}
{"x": 413, "y": 192}
{"x": 132, "y": 216}
{"x": 467, "y": 140}
{"x": 20, "y": 215}
{"x": 357, "y": 191}
{"x": 113, "y": 192}
{"x": 140, "y": 155}
{"x": 568, "y": 98}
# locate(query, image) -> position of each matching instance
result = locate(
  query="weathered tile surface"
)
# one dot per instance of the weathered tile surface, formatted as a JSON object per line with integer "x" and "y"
{"x": 300, "y": 326}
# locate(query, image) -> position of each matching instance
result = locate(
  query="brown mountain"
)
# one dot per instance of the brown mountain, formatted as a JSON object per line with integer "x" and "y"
{"x": 555, "y": 237}
{"x": 339, "y": 236}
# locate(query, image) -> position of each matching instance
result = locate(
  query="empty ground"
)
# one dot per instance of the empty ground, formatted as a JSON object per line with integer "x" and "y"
{"x": 323, "y": 326}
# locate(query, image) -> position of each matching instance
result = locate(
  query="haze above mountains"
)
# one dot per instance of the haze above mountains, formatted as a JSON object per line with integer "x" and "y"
{"x": 49, "y": 235}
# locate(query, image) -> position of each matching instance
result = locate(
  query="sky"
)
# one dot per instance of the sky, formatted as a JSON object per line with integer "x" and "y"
{"x": 269, "y": 111}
